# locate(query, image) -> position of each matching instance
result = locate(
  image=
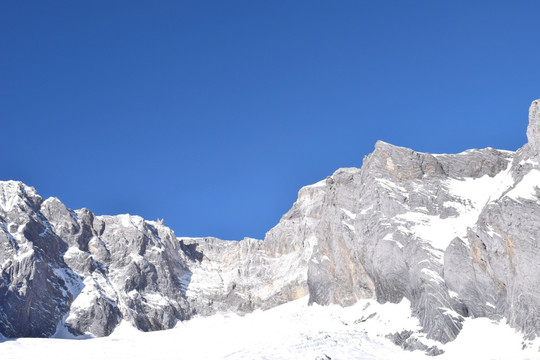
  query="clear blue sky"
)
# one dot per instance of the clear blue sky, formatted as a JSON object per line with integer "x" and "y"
{"x": 212, "y": 115}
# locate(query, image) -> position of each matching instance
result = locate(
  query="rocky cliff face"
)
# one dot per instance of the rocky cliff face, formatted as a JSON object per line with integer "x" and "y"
{"x": 63, "y": 268}
{"x": 457, "y": 235}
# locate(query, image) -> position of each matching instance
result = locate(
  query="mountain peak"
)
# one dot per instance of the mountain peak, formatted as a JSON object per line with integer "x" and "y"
{"x": 11, "y": 192}
{"x": 453, "y": 234}
{"x": 533, "y": 130}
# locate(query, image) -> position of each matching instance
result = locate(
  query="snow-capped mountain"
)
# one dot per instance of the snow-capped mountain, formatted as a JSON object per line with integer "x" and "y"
{"x": 453, "y": 236}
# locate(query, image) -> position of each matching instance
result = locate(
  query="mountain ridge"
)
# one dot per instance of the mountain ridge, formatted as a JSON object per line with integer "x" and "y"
{"x": 454, "y": 234}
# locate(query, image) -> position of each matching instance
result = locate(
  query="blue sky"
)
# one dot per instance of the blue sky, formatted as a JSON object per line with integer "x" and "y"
{"x": 212, "y": 114}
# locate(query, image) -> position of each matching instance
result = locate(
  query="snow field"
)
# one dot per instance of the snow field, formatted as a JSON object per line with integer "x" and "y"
{"x": 290, "y": 331}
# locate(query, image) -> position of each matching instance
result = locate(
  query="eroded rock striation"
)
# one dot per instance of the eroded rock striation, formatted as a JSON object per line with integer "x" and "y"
{"x": 457, "y": 235}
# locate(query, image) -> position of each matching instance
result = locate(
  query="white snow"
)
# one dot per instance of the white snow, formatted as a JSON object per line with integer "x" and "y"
{"x": 73, "y": 251}
{"x": 527, "y": 187}
{"x": 451, "y": 312}
{"x": 24, "y": 252}
{"x": 438, "y": 232}
{"x": 366, "y": 210}
{"x": 8, "y": 194}
{"x": 11, "y": 191}
{"x": 317, "y": 184}
{"x": 348, "y": 213}
{"x": 87, "y": 297}
{"x": 156, "y": 299}
{"x": 128, "y": 220}
{"x": 482, "y": 338}
{"x": 73, "y": 283}
{"x": 491, "y": 232}
{"x": 348, "y": 225}
{"x": 529, "y": 162}
{"x": 470, "y": 196}
{"x": 290, "y": 331}
{"x": 433, "y": 275}
{"x": 490, "y": 305}
{"x": 90, "y": 289}
{"x": 390, "y": 237}
{"x": 482, "y": 190}
{"x": 387, "y": 184}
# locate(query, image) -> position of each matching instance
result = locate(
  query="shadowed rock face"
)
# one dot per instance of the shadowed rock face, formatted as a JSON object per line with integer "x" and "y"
{"x": 64, "y": 268}
{"x": 457, "y": 235}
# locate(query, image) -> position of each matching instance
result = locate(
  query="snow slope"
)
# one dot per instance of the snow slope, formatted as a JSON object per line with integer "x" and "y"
{"x": 290, "y": 331}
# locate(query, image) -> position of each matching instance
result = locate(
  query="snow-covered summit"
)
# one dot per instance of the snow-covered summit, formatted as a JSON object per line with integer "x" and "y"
{"x": 14, "y": 192}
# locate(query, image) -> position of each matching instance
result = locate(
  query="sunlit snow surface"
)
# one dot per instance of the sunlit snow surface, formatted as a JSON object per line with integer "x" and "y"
{"x": 470, "y": 197}
{"x": 291, "y": 331}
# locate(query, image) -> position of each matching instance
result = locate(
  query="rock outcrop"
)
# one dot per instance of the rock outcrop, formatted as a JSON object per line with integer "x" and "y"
{"x": 457, "y": 235}
{"x": 63, "y": 268}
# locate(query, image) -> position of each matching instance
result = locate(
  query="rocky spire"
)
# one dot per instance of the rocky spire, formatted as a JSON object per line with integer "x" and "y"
{"x": 533, "y": 130}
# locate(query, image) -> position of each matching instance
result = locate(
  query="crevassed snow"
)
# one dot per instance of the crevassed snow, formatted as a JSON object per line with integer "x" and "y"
{"x": 290, "y": 331}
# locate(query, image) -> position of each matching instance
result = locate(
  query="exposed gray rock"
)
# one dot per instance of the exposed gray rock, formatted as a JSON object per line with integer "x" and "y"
{"x": 457, "y": 235}
{"x": 407, "y": 341}
{"x": 70, "y": 268}
{"x": 533, "y": 130}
